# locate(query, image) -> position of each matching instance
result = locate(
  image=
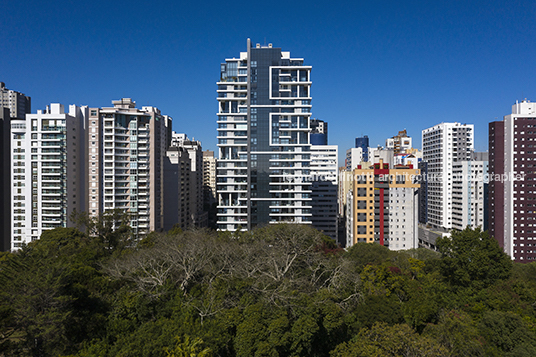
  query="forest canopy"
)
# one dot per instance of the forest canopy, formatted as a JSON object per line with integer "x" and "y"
{"x": 281, "y": 290}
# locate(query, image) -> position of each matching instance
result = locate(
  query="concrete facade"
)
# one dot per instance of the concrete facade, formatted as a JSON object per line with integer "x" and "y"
{"x": 442, "y": 146}
{"x": 126, "y": 147}
{"x": 324, "y": 177}
{"x": 47, "y": 170}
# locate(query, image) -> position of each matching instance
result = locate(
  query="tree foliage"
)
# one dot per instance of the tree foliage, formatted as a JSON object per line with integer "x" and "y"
{"x": 472, "y": 258}
{"x": 282, "y": 290}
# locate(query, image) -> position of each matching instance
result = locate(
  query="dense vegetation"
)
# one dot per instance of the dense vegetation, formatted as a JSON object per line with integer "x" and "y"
{"x": 282, "y": 290}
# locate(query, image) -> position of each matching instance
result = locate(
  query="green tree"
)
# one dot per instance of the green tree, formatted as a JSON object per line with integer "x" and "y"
{"x": 458, "y": 333}
{"x": 50, "y": 293}
{"x": 189, "y": 348}
{"x": 363, "y": 254}
{"x": 389, "y": 341}
{"x": 471, "y": 258}
{"x": 506, "y": 332}
{"x": 111, "y": 227}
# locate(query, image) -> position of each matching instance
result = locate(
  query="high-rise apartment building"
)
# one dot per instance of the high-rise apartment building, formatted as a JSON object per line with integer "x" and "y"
{"x": 209, "y": 186}
{"x": 443, "y": 145}
{"x": 382, "y": 206}
{"x": 126, "y": 147}
{"x": 19, "y": 104}
{"x": 47, "y": 171}
{"x": 324, "y": 177}
{"x": 469, "y": 192}
{"x": 423, "y": 192}
{"x": 179, "y": 209}
{"x": 512, "y": 191}
{"x": 263, "y": 138}
{"x": 5, "y": 179}
{"x": 198, "y": 217}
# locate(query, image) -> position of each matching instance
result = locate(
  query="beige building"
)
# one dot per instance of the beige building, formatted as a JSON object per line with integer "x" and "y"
{"x": 198, "y": 217}
{"x": 126, "y": 147}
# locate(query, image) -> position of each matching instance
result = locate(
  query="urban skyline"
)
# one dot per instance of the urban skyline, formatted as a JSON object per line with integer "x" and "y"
{"x": 405, "y": 65}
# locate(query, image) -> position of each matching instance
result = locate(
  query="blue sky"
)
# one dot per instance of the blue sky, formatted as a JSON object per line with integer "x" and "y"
{"x": 378, "y": 66}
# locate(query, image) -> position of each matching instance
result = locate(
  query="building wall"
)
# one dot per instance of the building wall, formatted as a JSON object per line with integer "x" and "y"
{"x": 48, "y": 168}
{"x": 444, "y": 144}
{"x": 354, "y": 157}
{"x": 193, "y": 148}
{"x": 384, "y": 206}
{"x": 399, "y": 143}
{"x": 403, "y": 220}
{"x": 403, "y": 208}
{"x": 18, "y": 103}
{"x": 263, "y": 139}
{"x": 362, "y": 206}
{"x": 496, "y": 206}
{"x": 179, "y": 209}
{"x": 5, "y": 179}
{"x": 468, "y": 194}
{"x": 423, "y": 192}
{"x": 209, "y": 187}
{"x": 324, "y": 174}
{"x": 126, "y": 148}
{"x": 345, "y": 185}
{"x": 516, "y": 184}
{"x": 350, "y": 224}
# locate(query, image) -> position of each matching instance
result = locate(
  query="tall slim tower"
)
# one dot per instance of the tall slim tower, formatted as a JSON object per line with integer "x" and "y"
{"x": 263, "y": 138}
{"x": 512, "y": 187}
{"x": 443, "y": 145}
{"x": 5, "y": 179}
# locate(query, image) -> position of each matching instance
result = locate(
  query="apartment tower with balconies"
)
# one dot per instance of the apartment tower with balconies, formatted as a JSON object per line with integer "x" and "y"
{"x": 264, "y": 99}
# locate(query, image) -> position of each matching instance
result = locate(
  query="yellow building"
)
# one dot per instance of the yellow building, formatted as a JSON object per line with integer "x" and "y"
{"x": 384, "y": 202}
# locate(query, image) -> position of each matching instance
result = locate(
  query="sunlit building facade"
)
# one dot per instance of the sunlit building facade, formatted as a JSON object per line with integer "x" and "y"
{"x": 264, "y": 109}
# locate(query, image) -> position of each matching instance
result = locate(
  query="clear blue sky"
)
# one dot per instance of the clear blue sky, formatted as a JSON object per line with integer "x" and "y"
{"x": 378, "y": 66}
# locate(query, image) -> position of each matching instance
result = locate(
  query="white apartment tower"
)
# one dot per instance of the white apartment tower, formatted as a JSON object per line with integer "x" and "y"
{"x": 469, "y": 189}
{"x": 443, "y": 145}
{"x": 47, "y": 171}
{"x": 324, "y": 178}
{"x": 263, "y": 138}
{"x": 403, "y": 217}
{"x": 126, "y": 147}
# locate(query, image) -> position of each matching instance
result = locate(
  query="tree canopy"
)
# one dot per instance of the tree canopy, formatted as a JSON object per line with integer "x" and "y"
{"x": 282, "y": 290}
